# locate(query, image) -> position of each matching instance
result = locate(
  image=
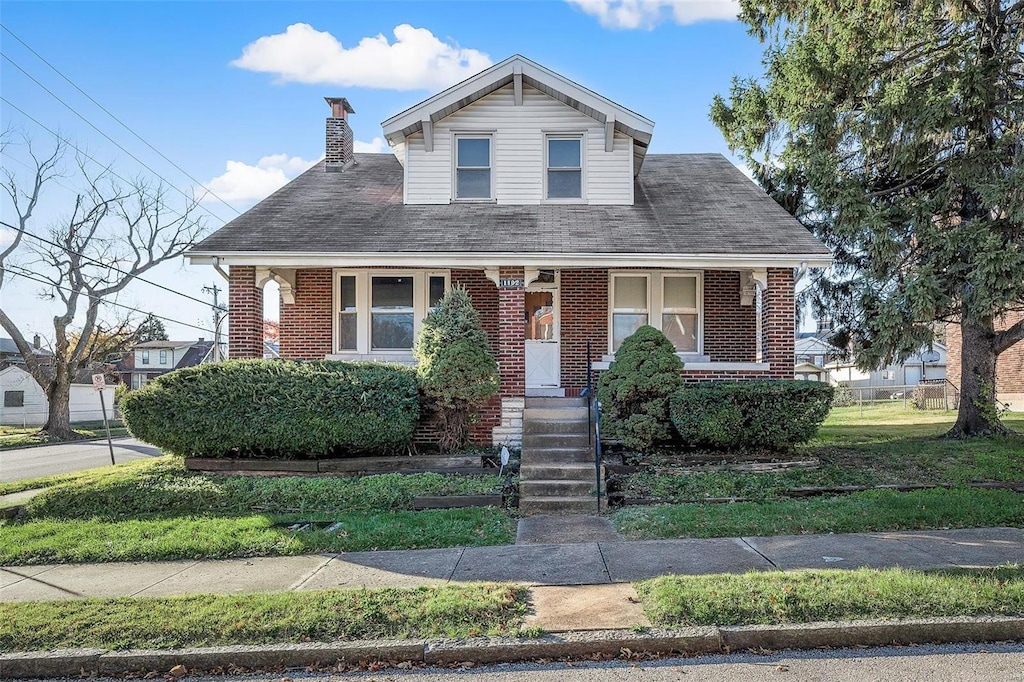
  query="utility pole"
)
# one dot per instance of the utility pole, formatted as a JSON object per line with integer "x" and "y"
{"x": 219, "y": 313}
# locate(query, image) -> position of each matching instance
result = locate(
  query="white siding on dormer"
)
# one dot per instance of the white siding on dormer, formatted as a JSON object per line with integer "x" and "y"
{"x": 518, "y": 151}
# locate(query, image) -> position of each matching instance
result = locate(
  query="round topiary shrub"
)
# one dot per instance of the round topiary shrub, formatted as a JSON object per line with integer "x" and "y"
{"x": 457, "y": 370}
{"x": 270, "y": 408}
{"x": 635, "y": 390}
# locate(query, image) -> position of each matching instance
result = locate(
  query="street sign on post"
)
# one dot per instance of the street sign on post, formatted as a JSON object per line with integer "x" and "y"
{"x": 99, "y": 382}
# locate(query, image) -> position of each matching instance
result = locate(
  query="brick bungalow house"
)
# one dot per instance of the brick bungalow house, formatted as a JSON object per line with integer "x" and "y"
{"x": 539, "y": 197}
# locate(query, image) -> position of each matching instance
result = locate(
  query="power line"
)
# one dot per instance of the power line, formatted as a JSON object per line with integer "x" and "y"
{"x": 111, "y": 115}
{"x": 25, "y": 274}
{"x": 104, "y": 264}
{"x": 112, "y": 140}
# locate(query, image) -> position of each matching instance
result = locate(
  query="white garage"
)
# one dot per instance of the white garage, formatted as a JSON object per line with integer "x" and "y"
{"x": 24, "y": 403}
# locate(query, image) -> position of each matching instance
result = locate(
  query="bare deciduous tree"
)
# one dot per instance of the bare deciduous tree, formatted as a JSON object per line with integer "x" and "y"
{"x": 113, "y": 231}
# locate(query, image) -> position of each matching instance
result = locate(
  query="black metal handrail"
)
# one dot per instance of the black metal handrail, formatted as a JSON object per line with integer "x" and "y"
{"x": 594, "y": 426}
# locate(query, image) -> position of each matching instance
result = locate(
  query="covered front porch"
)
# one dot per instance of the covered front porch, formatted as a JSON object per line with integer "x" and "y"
{"x": 727, "y": 321}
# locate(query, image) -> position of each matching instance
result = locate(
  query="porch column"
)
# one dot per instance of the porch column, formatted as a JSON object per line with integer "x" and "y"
{"x": 779, "y": 323}
{"x": 511, "y": 356}
{"x": 245, "y": 314}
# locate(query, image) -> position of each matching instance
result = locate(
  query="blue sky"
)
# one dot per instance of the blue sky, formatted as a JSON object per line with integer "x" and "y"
{"x": 233, "y": 92}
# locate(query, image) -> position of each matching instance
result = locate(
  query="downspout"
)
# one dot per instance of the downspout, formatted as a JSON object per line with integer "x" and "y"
{"x": 800, "y": 272}
{"x": 219, "y": 269}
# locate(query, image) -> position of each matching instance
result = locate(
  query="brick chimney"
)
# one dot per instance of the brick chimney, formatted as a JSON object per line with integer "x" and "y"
{"x": 339, "y": 150}
{"x": 36, "y": 342}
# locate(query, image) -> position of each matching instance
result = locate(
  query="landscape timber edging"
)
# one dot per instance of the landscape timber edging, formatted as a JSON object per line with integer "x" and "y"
{"x": 570, "y": 645}
{"x": 349, "y": 466}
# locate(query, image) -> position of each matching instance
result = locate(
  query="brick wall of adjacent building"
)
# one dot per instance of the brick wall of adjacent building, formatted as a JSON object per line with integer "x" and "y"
{"x": 306, "y": 325}
{"x": 245, "y": 321}
{"x": 583, "y": 295}
{"x": 1009, "y": 365}
{"x": 730, "y": 329}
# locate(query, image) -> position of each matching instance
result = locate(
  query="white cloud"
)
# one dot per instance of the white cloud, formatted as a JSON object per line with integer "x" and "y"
{"x": 242, "y": 182}
{"x": 649, "y": 13}
{"x": 415, "y": 60}
{"x": 374, "y": 146}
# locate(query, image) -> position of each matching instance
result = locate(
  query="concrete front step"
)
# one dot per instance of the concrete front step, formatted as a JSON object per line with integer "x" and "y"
{"x": 575, "y": 471}
{"x": 555, "y": 402}
{"x": 531, "y": 490}
{"x": 557, "y": 505}
{"x": 556, "y": 456}
{"x": 566, "y": 414}
{"x": 556, "y": 440}
{"x": 553, "y": 427}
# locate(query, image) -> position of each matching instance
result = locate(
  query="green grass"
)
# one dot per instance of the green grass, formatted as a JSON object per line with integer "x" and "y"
{"x": 809, "y": 596}
{"x": 155, "y": 509}
{"x": 218, "y": 620}
{"x": 215, "y": 537}
{"x": 881, "y": 445}
{"x": 875, "y": 510}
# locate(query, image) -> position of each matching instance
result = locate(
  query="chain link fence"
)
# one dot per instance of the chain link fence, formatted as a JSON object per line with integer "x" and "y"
{"x": 927, "y": 395}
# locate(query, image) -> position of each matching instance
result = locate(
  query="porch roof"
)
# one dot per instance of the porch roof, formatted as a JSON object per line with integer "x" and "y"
{"x": 687, "y": 206}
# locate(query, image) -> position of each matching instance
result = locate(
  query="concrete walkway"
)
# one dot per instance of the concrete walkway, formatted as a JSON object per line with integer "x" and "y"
{"x": 584, "y": 563}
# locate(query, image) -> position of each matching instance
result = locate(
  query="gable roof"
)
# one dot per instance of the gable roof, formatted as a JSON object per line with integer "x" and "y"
{"x": 690, "y": 210}
{"x": 519, "y": 71}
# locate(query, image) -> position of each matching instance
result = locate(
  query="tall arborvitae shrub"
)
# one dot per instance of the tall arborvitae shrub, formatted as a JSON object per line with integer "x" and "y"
{"x": 457, "y": 371}
{"x": 636, "y": 389}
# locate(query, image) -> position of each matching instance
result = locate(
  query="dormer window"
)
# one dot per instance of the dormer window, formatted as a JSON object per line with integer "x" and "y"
{"x": 564, "y": 155}
{"x": 473, "y": 167}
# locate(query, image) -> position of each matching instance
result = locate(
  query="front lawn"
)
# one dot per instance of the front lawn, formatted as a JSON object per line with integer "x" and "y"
{"x": 157, "y": 510}
{"x": 873, "y": 446}
{"x": 809, "y": 596}
{"x": 14, "y": 437}
{"x": 269, "y": 618}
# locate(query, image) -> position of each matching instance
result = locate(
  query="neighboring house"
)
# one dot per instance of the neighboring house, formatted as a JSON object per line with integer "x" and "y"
{"x": 811, "y": 354}
{"x": 10, "y": 355}
{"x": 24, "y": 402}
{"x": 1009, "y": 366}
{"x": 537, "y": 196}
{"x": 927, "y": 363}
{"x": 150, "y": 359}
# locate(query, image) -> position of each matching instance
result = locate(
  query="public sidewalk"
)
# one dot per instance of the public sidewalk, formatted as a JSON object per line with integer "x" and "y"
{"x": 596, "y": 562}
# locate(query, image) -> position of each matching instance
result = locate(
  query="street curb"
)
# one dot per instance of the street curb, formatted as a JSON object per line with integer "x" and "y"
{"x": 699, "y": 640}
{"x": 65, "y": 442}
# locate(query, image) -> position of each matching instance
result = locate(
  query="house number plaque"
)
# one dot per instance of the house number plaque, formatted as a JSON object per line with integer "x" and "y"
{"x": 511, "y": 282}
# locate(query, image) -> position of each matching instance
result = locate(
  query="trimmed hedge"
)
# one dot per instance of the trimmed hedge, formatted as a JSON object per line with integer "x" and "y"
{"x": 750, "y": 414}
{"x": 264, "y": 408}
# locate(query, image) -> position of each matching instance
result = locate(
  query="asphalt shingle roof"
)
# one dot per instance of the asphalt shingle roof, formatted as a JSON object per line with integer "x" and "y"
{"x": 684, "y": 204}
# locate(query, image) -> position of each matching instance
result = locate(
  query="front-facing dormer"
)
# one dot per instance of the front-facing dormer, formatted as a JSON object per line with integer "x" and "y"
{"x": 519, "y": 133}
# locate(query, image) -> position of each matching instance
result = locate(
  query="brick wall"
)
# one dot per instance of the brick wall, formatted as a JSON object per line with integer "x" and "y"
{"x": 245, "y": 320}
{"x": 1009, "y": 365}
{"x": 730, "y": 329}
{"x": 484, "y": 295}
{"x": 779, "y": 323}
{"x": 511, "y": 336}
{"x": 306, "y": 324}
{"x": 584, "y": 317}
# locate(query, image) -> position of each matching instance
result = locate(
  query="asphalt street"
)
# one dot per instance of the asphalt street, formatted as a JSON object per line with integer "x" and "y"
{"x": 961, "y": 662}
{"x": 46, "y": 460}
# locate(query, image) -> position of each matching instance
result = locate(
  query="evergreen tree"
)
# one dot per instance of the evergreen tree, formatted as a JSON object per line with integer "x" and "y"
{"x": 151, "y": 329}
{"x": 893, "y": 130}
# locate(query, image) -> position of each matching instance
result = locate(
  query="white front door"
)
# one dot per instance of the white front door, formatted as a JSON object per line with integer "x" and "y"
{"x": 543, "y": 350}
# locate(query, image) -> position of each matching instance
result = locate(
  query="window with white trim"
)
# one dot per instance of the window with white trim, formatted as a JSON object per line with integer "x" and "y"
{"x": 564, "y": 167}
{"x": 145, "y": 357}
{"x": 163, "y": 357}
{"x": 473, "y": 167}
{"x": 679, "y": 312}
{"x": 668, "y": 300}
{"x": 382, "y": 311}
{"x": 630, "y": 307}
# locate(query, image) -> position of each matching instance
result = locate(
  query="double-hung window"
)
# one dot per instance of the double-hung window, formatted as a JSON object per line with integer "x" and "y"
{"x": 564, "y": 170}
{"x": 145, "y": 357}
{"x": 163, "y": 357}
{"x": 381, "y": 311}
{"x": 679, "y": 311}
{"x": 473, "y": 167}
{"x": 668, "y": 300}
{"x": 630, "y": 307}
